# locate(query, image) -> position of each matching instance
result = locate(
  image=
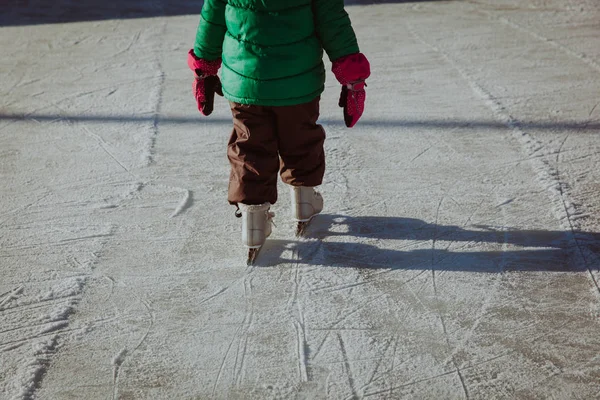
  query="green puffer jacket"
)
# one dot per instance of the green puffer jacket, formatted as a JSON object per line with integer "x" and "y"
{"x": 272, "y": 50}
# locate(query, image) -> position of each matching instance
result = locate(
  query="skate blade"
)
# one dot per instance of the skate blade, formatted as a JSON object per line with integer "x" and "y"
{"x": 252, "y": 253}
{"x": 301, "y": 228}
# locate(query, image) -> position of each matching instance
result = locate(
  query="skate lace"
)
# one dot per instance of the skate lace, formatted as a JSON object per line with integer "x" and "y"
{"x": 270, "y": 216}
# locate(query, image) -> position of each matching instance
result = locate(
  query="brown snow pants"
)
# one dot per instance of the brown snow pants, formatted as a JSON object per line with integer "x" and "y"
{"x": 268, "y": 140}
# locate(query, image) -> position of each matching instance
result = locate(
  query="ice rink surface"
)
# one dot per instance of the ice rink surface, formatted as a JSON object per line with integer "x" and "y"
{"x": 457, "y": 256}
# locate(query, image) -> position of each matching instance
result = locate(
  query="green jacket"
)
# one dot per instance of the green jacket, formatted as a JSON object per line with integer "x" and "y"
{"x": 272, "y": 50}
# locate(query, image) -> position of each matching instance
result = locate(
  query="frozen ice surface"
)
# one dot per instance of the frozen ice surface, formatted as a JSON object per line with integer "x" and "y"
{"x": 457, "y": 256}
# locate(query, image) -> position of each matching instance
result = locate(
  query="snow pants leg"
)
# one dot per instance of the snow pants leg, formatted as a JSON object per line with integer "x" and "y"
{"x": 271, "y": 140}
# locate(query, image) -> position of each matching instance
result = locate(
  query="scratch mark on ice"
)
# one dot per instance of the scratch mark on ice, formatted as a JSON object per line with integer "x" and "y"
{"x": 409, "y": 384}
{"x": 505, "y": 202}
{"x": 347, "y": 367}
{"x": 104, "y": 146}
{"x": 247, "y": 324}
{"x": 592, "y": 111}
{"x": 222, "y": 367}
{"x": 297, "y": 315}
{"x": 581, "y": 56}
{"x": 374, "y": 378}
{"x": 121, "y": 357}
{"x": 420, "y": 154}
{"x": 212, "y": 296}
{"x": 336, "y": 323}
{"x": 302, "y": 350}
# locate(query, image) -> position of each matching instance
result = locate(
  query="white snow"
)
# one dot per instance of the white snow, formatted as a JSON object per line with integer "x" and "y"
{"x": 457, "y": 256}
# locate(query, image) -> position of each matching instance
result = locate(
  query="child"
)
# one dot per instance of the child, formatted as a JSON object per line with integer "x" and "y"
{"x": 273, "y": 76}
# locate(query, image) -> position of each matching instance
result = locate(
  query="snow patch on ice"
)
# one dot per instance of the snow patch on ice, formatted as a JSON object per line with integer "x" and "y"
{"x": 186, "y": 202}
{"x": 10, "y": 296}
{"x": 67, "y": 288}
{"x": 33, "y": 369}
{"x": 147, "y": 154}
{"x": 42, "y": 344}
{"x": 45, "y": 305}
{"x": 117, "y": 361}
{"x": 119, "y": 358}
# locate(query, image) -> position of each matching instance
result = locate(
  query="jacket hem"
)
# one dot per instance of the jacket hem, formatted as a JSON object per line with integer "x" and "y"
{"x": 292, "y": 101}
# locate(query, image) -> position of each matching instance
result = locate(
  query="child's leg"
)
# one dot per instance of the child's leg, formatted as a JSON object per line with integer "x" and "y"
{"x": 252, "y": 153}
{"x": 300, "y": 144}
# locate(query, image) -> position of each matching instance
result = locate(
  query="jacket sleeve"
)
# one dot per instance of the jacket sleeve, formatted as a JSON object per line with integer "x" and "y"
{"x": 211, "y": 30}
{"x": 334, "y": 29}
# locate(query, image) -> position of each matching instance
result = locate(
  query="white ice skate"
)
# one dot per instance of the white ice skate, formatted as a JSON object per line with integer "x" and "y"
{"x": 306, "y": 203}
{"x": 256, "y": 227}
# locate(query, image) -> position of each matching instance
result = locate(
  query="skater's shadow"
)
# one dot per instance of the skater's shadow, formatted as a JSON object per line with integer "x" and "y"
{"x": 400, "y": 228}
{"x": 407, "y": 243}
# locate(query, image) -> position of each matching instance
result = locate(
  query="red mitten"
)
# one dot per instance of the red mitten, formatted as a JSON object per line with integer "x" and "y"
{"x": 351, "y": 71}
{"x": 207, "y": 82}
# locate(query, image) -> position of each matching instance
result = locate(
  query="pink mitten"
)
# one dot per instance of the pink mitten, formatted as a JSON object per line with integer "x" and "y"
{"x": 351, "y": 71}
{"x": 207, "y": 82}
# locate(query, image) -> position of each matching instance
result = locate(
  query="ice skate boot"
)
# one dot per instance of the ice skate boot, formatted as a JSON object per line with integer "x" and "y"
{"x": 256, "y": 227}
{"x": 306, "y": 203}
